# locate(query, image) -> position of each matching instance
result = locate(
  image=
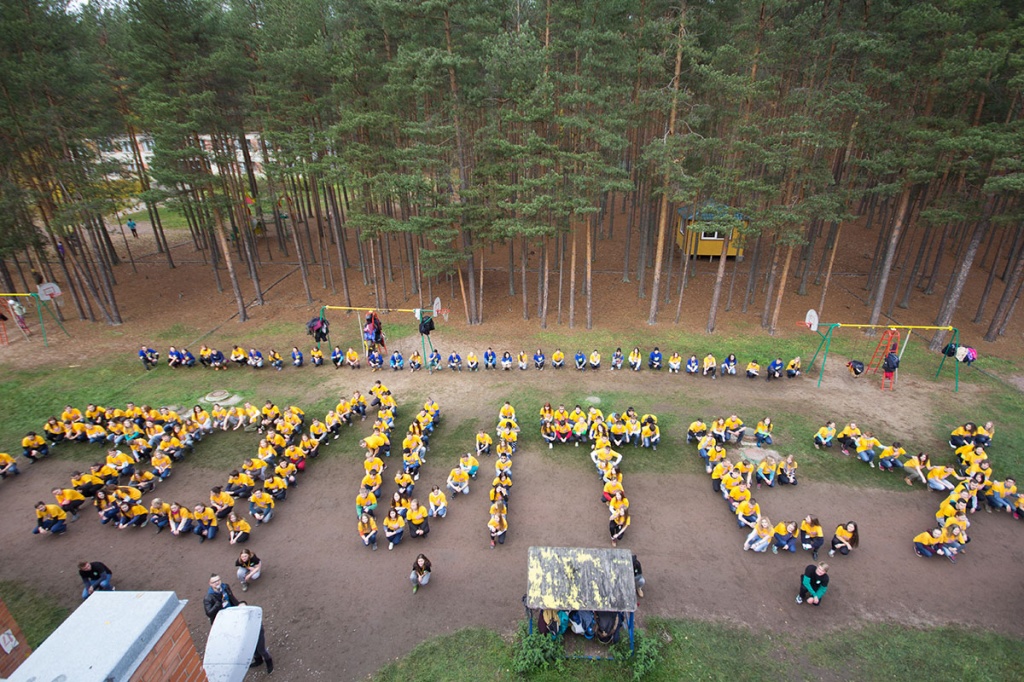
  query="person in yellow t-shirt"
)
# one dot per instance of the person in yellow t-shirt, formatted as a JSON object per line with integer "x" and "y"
{"x": 825, "y": 435}
{"x": 866, "y": 445}
{"x": 33, "y": 447}
{"x": 438, "y": 503}
{"x": 458, "y": 481}
{"x": 394, "y": 528}
{"x": 846, "y": 538}
{"x": 50, "y": 520}
{"x": 238, "y": 529}
{"x": 416, "y": 517}
{"x": 261, "y": 506}
{"x": 558, "y": 359}
{"x": 367, "y": 528}
{"x": 785, "y": 537}
{"x": 617, "y": 525}
{"x": 847, "y": 438}
{"x": 709, "y": 366}
{"x": 928, "y": 543}
{"x": 812, "y": 537}
{"x": 753, "y": 369}
{"x": 497, "y": 528}
{"x": 131, "y": 515}
{"x": 761, "y": 536}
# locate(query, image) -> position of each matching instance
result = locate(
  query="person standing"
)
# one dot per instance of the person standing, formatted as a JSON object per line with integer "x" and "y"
{"x": 813, "y": 584}
{"x": 95, "y": 575}
{"x": 420, "y": 573}
{"x": 249, "y": 566}
{"x": 132, "y": 227}
{"x": 217, "y": 598}
{"x": 638, "y": 577}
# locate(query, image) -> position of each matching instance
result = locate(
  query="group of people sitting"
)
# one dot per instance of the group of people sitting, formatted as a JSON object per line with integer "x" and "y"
{"x": 975, "y": 487}
{"x": 215, "y": 359}
{"x": 501, "y": 485}
{"x": 734, "y": 481}
{"x": 405, "y": 514}
{"x": 620, "y": 429}
{"x": 708, "y": 366}
{"x": 134, "y": 437}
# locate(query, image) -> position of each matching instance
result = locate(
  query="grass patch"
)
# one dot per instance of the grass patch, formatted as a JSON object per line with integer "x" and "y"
{"x": 178, "y": 334}
{"x": 891, "y": 652}
{"x": 693, "y": 650}
{"x": 170, "y": 218}
{"x": 37, "y": 614}
{"x": 470, "y": 654}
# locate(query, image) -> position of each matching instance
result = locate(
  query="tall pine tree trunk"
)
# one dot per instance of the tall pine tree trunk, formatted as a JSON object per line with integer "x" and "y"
{"x": 945, "y": 316}
{"x": 890, "y": 254}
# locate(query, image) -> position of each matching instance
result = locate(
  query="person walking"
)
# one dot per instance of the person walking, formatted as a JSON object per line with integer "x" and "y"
{"x": 813, "y": 584}
{"x": 217, "y": 598}
{"x": 420, "y": 575}
{"x": 132, "y": 227}
{"x": 95, "y": 575}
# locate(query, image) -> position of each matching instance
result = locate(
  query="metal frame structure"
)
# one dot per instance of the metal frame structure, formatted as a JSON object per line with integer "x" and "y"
{"x": 40, "y": 305}
{"x": 420, "y": 313}
{"x": 826, "y": 343}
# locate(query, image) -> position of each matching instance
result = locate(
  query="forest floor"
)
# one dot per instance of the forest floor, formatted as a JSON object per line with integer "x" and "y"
{"x": 335, "y": 610}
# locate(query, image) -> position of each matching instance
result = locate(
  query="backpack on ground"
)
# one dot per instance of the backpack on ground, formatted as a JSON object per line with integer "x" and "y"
{"x": 582, "y": 623}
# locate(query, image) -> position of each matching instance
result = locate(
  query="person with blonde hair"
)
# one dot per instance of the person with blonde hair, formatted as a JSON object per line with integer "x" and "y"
{"x": 760, "y": 537}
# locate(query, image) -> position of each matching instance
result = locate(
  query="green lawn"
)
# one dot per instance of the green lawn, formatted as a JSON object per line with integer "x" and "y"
{"x": 695, "y": 650}
{"x": 37, "y": 614}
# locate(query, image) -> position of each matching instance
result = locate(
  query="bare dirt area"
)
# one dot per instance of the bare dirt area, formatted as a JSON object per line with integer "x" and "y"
{"x": 336, "y": 611}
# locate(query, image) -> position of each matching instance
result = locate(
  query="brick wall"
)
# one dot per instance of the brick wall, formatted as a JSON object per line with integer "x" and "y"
{"x": 174, "y": 658}
{"x": 9, "y": 662}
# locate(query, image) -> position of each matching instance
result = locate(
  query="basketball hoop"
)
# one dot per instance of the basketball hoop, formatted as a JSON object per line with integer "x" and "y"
{"x": 811, "y": 320}
{"x": 48, "y": 290}
{"x": 437, "y": 306}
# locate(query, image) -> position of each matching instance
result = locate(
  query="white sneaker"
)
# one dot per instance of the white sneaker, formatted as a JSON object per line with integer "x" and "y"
{"x": 708, "y": 468}
{"x": 551, "y": 446}
{"x": 831, "y": 552}
{"x": 391, "y": 546}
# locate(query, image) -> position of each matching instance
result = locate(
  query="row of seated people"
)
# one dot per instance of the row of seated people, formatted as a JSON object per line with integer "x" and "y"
{"x": 405, "y": 511}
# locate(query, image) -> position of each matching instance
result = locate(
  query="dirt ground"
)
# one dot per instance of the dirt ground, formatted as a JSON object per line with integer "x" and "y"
{"x": 337, "y": 611}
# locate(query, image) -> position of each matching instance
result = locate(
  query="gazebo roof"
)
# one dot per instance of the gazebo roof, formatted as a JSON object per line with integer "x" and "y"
{"x": 580, "y": 579}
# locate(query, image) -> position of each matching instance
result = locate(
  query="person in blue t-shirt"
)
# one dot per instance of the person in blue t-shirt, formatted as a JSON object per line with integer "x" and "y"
{"x": 455, "y": 361}
{"x": 149, "y": 357}
{"x": 187, "y": 359}
{"x": 297, "y": 358}
{"x": 654, "y": 359}
{"x": 581, "y": 360}
{"x": 375, "y": 360}
{"x": 692, "y": 365}
{"x": 490, "y": 359}
{"x": 538, "y": 359}
{"x": 397, "y": 362}
{"x": 337, "y": 357}
{"x": 775, "y": 368}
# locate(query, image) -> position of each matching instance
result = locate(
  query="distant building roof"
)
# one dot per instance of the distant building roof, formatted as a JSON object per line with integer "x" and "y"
{"x": 709, "y": 210}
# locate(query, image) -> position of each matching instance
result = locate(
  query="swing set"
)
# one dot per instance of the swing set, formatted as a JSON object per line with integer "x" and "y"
{"x": 423, "y": 315}
{"x": 19, "y": 321}
{"x": 888, "y": 343}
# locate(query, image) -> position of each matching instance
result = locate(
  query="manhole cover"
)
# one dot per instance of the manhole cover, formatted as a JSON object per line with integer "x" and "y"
{"x": 593, "y": 399}
{"x": 217, "y": 396}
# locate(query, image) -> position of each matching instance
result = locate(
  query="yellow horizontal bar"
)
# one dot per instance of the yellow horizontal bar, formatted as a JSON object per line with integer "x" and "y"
{"x": 383, "y": 310}
{"x": 8, "y": 294}
{"x": 890, "y": 326}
